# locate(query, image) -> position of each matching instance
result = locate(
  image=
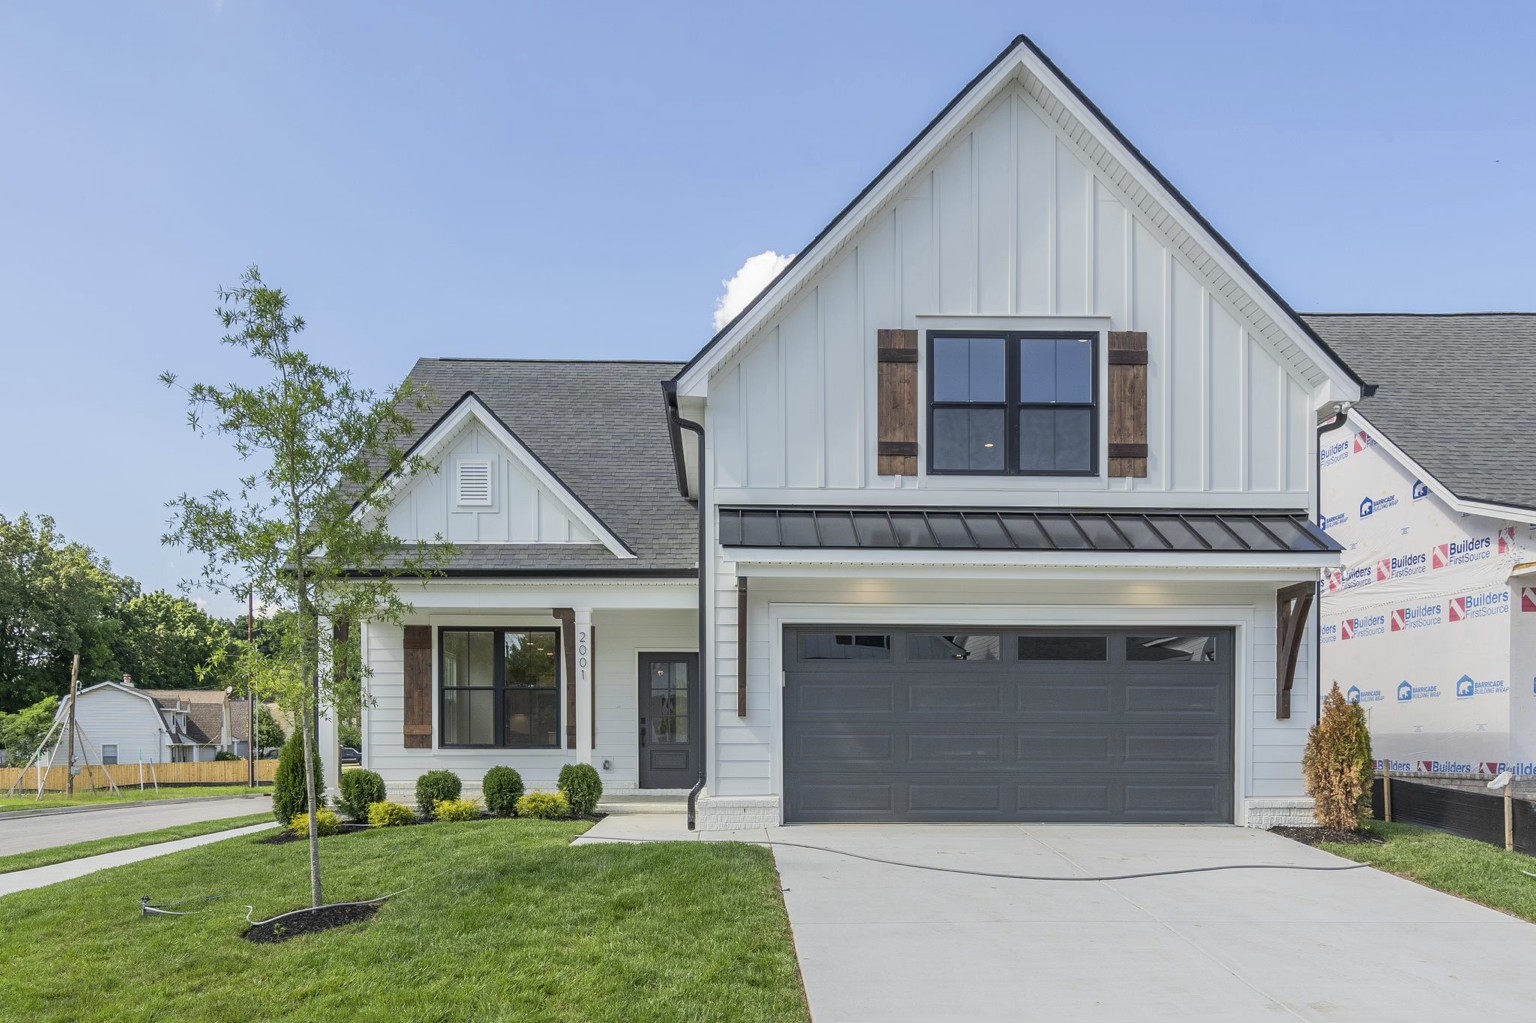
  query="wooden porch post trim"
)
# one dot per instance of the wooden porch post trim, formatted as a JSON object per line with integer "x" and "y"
{"x": 592, "y": 670}
{"x": 567, "y": 618}
{"x": 741, "y": 646}
{"x": 1293, "y": 604}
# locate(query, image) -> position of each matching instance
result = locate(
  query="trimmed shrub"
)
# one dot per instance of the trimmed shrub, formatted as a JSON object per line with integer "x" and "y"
{"x": 224, "y": 756}
{"x": 390, "y": 815}
{"x": 502, "y": 788}
{"x": 544, "y": 806}
{"x": 289, "y": 794}
{"x": 359, "y": 790}
{"x": 457, "y": 810}
{"x": 582, "y": 786}
{"x": 326, "y": 823}
{"x": 433, "y": 787}
{"x": 1338, "y": 765}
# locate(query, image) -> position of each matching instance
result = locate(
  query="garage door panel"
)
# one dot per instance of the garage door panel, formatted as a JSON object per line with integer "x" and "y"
{"x": 1010, "y": 739}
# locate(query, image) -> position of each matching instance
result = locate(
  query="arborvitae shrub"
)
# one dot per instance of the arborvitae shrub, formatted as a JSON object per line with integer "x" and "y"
{"x": 1338, "y": 765}
{"x": 289, "y": 793}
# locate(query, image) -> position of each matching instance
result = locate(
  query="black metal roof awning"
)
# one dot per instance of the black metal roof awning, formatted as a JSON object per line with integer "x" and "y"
{"x": 1011, "y": 529}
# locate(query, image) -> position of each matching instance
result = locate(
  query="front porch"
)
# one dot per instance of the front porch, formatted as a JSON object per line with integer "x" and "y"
{"x": 534, "y": 676}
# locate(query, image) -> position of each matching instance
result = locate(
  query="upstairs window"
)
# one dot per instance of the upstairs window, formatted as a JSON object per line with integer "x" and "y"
{"x": 1013, "y": 404}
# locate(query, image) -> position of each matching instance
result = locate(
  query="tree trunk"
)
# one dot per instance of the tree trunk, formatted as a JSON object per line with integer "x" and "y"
{"x": 314, "y": 828}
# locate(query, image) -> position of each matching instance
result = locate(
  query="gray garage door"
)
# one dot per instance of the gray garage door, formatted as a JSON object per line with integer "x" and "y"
{"x": 944, "y": 724}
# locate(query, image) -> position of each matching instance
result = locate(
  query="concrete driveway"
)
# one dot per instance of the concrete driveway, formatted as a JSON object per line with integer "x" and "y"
{"x": 881, "y": 942}
{"x": 22, "y": 832}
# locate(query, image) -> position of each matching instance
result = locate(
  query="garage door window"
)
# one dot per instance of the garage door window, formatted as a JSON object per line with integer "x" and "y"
{"x": 954, "y": 647}
{"x": 1170, "y": 648}
{"x": 845, "y": 646}
{"x": 1063, "y": 648}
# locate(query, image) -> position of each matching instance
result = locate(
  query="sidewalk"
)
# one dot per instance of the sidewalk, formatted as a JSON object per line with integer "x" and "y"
{"x": 37, "y": 877}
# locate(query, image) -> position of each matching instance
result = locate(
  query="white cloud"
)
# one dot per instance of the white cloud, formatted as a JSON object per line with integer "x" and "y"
{"x": 752, "y": 278}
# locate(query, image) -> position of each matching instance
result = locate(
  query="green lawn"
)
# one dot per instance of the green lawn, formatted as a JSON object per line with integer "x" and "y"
{"x": 504, "y": 920}
{"x": 1459, "y": 866}
{"x": 51, "y": 800}
{"x": 61, "y": 853}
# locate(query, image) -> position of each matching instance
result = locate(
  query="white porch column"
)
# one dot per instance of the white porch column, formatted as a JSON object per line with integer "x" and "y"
{"x": 582, "y": 674}
{"x": 328, "y": 735}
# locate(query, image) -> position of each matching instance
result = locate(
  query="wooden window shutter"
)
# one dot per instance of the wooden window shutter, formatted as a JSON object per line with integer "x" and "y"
{"x": 897, "y": 386}
{"x": 1128, "y": 403}
{"x": 418, "y": 687}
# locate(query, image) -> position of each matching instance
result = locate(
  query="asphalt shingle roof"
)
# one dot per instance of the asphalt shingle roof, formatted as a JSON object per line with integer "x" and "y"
{"x": 1453, "y": 391}
{"x": 601, "y": 427}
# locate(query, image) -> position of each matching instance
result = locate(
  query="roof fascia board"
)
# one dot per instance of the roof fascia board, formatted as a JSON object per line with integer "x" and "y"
{"x": 1482, "y": 508}
{"x": 1280, "y": 575}
{"x": 470, "y": 406}
{"x": 1022, "y": 54}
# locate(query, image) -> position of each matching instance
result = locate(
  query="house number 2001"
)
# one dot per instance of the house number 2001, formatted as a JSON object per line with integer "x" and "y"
{"x": 581, "y": 650}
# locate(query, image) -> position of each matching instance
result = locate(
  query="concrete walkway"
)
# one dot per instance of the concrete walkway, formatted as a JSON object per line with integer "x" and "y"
{"x": 28, "y": 833}
{"x": 37, "y": 877}
{"x": 879, "y": 942}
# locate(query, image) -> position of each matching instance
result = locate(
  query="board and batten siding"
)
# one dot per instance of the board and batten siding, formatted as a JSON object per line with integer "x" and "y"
{"x": 521, "y": 509}
{"x": 1012, "y": 220}
{"x": 1270, "y": 749}
{"x": 621, "y": 637}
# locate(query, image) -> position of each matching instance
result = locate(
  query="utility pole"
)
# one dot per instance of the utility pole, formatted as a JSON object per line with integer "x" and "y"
{"x": 69, "y": 762}
{"x": 250, "y": 681}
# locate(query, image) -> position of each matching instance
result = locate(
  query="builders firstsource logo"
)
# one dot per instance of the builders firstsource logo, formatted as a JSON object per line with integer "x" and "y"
{"x": 1420, "y": 490}
{"x": 1527, "y": 600}
{"x": 1366, "y": 625}
{"x": 1358, "y": 695}
{"x": 1462, "y": 552}
{"x": 1329, "y": 634}
{"x": 1350, "y": 578}
{"x": 1334, "y": 453}
{"x": 1397, "y": 568}
{"x": 1468, "y": 687}
{"x": 1421, "y": 617}
{"x": 1507, "y": 540}
{"x": 1363, "y": 440}
{"x": 1479, "y": 605}
{"x": 1408, "y": 692}
{"x": 1374, "y": 505}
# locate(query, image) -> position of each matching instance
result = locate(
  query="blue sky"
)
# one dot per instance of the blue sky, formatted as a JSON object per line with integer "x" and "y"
{"x": 578, "y": 180}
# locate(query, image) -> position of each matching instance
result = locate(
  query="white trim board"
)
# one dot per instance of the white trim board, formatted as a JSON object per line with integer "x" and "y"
{"x": 1440, "y": 490}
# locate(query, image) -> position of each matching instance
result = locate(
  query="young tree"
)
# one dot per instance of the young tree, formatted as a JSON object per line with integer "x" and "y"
{"x": 301, "y": 528}
{"x": 1338, "y": 765}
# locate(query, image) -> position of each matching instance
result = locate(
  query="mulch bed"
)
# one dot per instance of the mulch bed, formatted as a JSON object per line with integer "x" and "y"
{"x": 1317, "y": 836}
{"x": 308, "y": 921}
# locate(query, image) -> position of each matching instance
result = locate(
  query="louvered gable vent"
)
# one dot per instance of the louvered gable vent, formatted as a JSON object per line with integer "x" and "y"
{"x": 474, "y": 479}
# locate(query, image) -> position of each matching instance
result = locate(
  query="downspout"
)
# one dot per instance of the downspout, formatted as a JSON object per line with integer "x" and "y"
{"x": 678, "y": 422}
{"x": 1339, "y": 420}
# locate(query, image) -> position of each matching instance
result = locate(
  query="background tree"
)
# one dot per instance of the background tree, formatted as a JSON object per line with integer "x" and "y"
{"x": 57, "y": 599}
{"x": 23, "y": 732}
{"x": 300, "y": 527}
{"x": 269, "y": 734}
{"x": 168, "y": 642}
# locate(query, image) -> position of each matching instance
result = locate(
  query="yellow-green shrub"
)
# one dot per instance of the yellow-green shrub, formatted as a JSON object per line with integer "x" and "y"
{"x": 326, "y": 823}
{"x": 548, "y": 806}
{"x": 390, "y": 815}
{"x": 457, "y": 810}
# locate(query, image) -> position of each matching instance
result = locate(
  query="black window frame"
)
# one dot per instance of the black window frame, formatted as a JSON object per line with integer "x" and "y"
{"x": 499, "y": 685}
{"x": 1013, "y": 404}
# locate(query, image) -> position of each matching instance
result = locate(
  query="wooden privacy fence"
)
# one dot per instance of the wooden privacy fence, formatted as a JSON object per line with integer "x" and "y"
{"x": 211, "y": 772}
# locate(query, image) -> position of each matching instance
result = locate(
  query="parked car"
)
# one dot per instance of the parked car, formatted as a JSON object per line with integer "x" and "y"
{"x": 351, "y": 756}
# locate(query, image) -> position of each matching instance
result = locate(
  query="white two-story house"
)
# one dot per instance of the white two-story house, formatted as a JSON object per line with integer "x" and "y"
{"x": 998, "y": 503}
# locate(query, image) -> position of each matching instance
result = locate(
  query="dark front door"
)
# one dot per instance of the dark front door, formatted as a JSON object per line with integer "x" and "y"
{"x": 670, "y": 727}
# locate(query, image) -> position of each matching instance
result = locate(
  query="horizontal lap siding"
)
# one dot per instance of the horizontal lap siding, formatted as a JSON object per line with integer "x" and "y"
{"x": 620, "y": 637}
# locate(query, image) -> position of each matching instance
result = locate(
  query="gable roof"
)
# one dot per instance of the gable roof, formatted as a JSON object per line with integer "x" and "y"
{"x": 601, "y": 430}
{"x": 1021, "y": 56}
{"x": 1453, "y": 391}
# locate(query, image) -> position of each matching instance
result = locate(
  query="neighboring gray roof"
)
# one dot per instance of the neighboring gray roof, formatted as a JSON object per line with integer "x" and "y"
{"x": 1011, "y": 529}
{"x": 601, "y": 427}
{"x": 1452, "y": 390}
